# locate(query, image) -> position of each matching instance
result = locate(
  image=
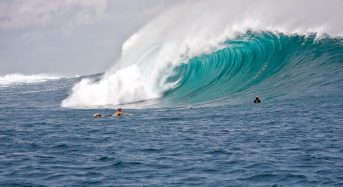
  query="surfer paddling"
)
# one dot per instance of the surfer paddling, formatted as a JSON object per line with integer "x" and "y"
{"x": 257, "y": 99}
{"x": 119, "y": 112}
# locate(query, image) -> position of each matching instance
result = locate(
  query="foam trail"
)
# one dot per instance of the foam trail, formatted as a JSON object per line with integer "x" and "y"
{"x": 18, "y": 78}
{"x": 193, "y": 28}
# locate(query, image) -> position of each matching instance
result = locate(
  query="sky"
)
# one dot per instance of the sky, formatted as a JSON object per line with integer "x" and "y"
{"x": 69, "y": 37}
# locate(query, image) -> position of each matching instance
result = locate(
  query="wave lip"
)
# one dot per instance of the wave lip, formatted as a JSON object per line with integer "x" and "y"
{"x": 274, "y": 65}
{"x": 17, "y": 78}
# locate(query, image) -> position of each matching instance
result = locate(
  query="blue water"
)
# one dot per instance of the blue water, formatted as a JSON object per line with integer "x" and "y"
{"x": 282, "y": 143}
{"x": 205, "y": 132}
{"x": 276, "y": 65}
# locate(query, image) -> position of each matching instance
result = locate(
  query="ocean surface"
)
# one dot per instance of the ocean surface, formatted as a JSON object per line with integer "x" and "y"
{"x": 187, "y": 138}
{"x": 190, "y": 91}
{"x": 289, "y": 142}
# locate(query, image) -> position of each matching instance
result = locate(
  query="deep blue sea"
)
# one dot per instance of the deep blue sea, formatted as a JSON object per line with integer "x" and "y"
{"x": 280, "y": 143}
{"x": 205, "y": 132}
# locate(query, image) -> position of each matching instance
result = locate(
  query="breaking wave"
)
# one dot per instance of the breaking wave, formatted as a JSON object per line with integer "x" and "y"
{"x": 212, "y": 52}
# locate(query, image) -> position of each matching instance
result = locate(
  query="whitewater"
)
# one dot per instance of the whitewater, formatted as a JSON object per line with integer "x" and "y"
{"x": 193, "y": 30}
{"x": 18, "y": 78}
{"x": 189, "y": 78}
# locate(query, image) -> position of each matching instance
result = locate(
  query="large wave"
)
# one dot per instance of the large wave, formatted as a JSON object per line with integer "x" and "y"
{"x": 216, "y": 51}
{"x": 263, "y": 63}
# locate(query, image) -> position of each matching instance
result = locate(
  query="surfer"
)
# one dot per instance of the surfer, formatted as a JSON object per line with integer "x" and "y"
{"x": 257, "y": 99}
{"x": 98, "y": 115}
{"x": 119, "y": 112}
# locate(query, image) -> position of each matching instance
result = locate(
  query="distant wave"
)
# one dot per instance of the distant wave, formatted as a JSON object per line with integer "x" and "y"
{"x": 18, "y": 78}
{"x": 204, "y": 51}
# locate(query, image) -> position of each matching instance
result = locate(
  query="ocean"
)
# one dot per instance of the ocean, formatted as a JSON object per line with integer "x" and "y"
{"x": 188, "y": 78}
{"x": 206, "y": 131}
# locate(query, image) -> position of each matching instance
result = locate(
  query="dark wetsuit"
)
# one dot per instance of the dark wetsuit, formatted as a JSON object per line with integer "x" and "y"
{"x": 257, "y": 100}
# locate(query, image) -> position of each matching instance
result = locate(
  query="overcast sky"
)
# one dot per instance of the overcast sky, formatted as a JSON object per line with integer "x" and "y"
{"x": 69, "y": 37}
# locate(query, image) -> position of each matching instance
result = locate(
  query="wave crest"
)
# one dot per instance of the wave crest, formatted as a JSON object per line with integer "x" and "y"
{"x": 193, "y": 29}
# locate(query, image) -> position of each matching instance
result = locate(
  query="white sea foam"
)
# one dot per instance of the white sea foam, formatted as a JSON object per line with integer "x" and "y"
{"x": 17, "y": 78}
{"x": 193, "y": 28}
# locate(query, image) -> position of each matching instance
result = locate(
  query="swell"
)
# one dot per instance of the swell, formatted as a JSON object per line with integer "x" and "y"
{"x": 272, "y": 65}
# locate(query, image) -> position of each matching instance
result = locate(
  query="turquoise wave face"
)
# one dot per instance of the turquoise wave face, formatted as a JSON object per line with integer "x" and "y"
{"x": 273, "y": 66}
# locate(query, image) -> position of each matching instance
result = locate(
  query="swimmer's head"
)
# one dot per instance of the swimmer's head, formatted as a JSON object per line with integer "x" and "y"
{"x": 119, "y": 109}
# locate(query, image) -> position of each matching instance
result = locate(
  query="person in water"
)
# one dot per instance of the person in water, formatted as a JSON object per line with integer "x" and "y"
{"x": 118, "y": 113}
{"x": 257, "y": 99}
{"x": 98, "y": 115}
